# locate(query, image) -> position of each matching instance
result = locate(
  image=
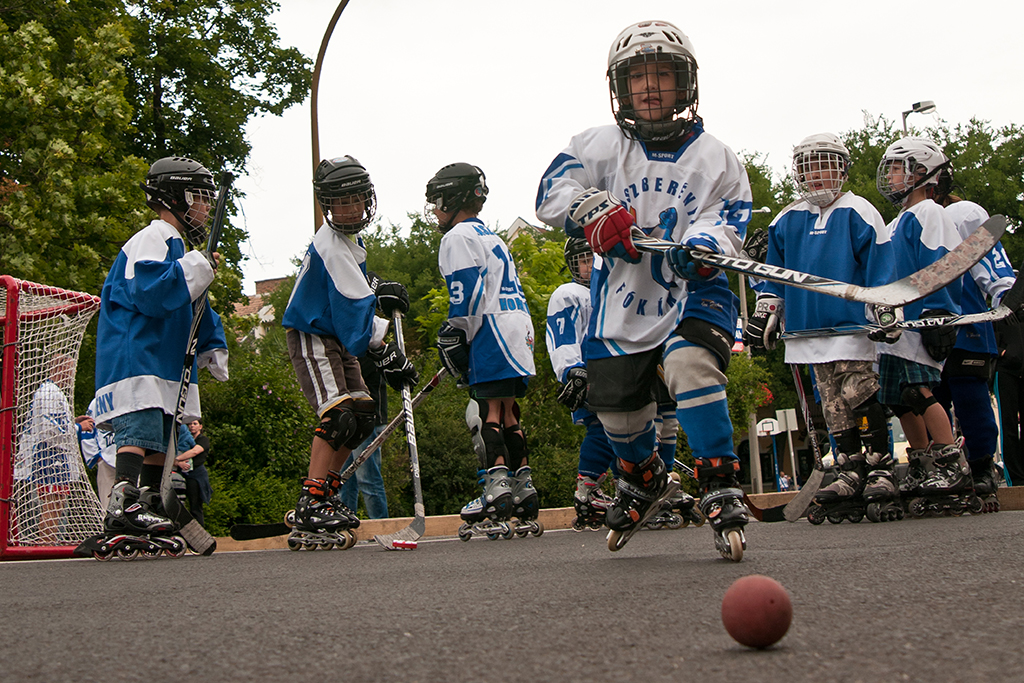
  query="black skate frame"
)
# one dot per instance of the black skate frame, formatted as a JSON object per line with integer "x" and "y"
{"x": 249, "y": 532}
{"x": 419, "y": 523}
{"x": 198, "y": 538}
{"x": 911, "y": 288}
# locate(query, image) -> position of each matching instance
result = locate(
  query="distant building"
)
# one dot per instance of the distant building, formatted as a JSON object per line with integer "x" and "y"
{"x": 264, "y": 312}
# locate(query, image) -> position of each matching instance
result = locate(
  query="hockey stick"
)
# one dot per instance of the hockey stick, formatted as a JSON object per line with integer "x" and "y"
{"x": 795, "y": 509}
{"x": 198, "y": 539}
{"x": 762, "y": 515}
{"x": 419, "y": 522}
{"x": 249, "y": 532}
{"x": 1010, "y": 303}
{"x": 911, "y": 288}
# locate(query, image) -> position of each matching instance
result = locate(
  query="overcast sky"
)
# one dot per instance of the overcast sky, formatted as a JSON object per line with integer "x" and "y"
{"x": 409, "y": 86}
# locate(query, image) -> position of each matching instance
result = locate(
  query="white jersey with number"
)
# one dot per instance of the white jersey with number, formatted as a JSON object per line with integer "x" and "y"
{"x": 697, "y": 194}
{"x": 486, "y": 299}
{"x": 568, "y": 319}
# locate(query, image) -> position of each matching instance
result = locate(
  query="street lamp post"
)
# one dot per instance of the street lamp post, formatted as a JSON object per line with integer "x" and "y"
{"x": 923, "y": 107}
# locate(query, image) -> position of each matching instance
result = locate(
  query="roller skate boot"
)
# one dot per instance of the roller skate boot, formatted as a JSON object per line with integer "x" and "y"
{"x": 591, "y": 503}
{"x": 131, "y": 527}
{"x": 919, "y": 466}
{"x": 881, "y": 494}
{"x": 678, "y": 512}
{"x": 640, "y": 491}
{"x": 334, "y": 485}
{"x": 842, "y": 498}
{"x": 722, "y": 504}
{"x": 985, "y": 483}
{"x": 525, "y": 505}
{"x": 317, "y": 523}
{"x": 488, "y": 515}
{"x": 949, "y": 489}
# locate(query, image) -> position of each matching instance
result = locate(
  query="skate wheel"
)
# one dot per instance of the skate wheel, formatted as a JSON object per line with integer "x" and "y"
{"x": 289, "y": 519}
{"x": 816, "y": 515}
{"x": 735, "y": 540}
{"x": 294, "y": 544}
{"x": 350, "y": 540}
{"x": 523, "y": 533}
{"x": 508, "y": 532}
{"x": 176, "y": 552}
{"x": 834, "y": 519}
{"x": 128, "y": 554}
{"x": 538, "y": 529}
{"x": 152, "y": 554}
{"x": 976, "y": 506}
{"x": 326, "y": 545}
{"x": 855, "y": 517}
{"x": 616, "y": 540}
{"x": 873, "y": 512}
{"x": 493, "y": 536}
{"x": 100, "y": 556}
{"x": 464, "y": 533}
{"x": 699, "y": 522}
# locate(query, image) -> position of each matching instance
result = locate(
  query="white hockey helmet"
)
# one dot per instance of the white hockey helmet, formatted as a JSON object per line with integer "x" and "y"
{"x": 907, "y": 164}
{"x": 820, "y": 164}
{"x": 645, "y": 42}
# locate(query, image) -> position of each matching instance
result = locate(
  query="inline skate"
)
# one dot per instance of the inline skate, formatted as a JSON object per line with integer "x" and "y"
{"x": 316, "y": 522}
{"x": 678, "y": 512}
{"x": 132, "y": 527}
{"x": 591, "y": 503}
{"x": 949, "y": 489}
{"x": 842, "y": 498}
{"x": 722, "y": 504}
{"x": 525, "y": 505}
{"x": 488, "y": 515}
{"x": 881, "y": 494}
{"x": 985, "y": 484}
{"x": 640, "y": 491}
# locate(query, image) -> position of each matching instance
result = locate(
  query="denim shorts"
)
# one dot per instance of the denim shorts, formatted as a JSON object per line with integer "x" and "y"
{"x": 148, "y": 428}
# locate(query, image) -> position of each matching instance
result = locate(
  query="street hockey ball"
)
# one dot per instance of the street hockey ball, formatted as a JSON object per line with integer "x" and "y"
{"x": 756, "y": 611}
{"x": 403, "y": 545}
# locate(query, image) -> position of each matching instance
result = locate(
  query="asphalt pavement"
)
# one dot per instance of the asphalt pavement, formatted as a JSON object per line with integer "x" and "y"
{"x": 917, "y": 600}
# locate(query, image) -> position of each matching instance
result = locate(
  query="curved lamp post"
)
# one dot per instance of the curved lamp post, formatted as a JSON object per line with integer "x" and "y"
{"x": 925, "y": 107}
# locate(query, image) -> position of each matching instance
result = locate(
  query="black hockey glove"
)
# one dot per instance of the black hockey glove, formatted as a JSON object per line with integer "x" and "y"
{"x": 391, "y": 297}
{"x": 938, "y": 341}
{"x": 766, "y": 324}
{"x": 574, "y": 389}
{"x": 395, "y": 367}
{"x": 755, "y": 247}
{"x": 453, "y": 347}
{"x": 886, "y": 317}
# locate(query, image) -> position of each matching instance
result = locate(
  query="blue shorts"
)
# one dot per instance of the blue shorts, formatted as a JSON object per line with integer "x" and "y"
{"x": 148, "y": 429}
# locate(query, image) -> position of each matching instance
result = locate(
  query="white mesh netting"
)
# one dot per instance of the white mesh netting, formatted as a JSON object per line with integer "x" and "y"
{"x": 52, "y": 502}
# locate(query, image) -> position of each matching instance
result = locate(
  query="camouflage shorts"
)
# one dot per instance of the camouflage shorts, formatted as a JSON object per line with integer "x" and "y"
{"x": 843, "y": 385}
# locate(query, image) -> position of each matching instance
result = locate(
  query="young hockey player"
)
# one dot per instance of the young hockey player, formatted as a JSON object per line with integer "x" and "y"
{"x": 657, "y": 170}
{"x": 330, "y": 323}
{"x": 966, "y": 373}
{"x": 840, "y": 235}
{"x": 910, "y": 365}
{"x": 144, "y": 323}
{"x": 487, "y": 340}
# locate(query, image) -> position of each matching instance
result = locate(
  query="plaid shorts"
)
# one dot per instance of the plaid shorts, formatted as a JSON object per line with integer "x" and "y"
{"x": 898, "y": 373}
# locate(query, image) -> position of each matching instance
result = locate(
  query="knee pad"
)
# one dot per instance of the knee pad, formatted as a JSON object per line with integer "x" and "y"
{"x": 711, "y": 337}
{"x": 494, "y": 445}
{"x": 515, "y": 446}
{"x": 874, "y": 426}
{"x": 912, "y": 398}
{"x": 348, "y": 424}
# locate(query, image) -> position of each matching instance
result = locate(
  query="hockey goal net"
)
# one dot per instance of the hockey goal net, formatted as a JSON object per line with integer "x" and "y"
{"x": 47, "y": 505}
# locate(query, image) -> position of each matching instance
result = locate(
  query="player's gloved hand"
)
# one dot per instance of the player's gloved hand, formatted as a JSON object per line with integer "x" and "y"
{"x": 885, "y": 317}
{"x": 685, "y": 266}
{"x": 396, "y": 368}
{"x": 766, "y": 324}
{"x": 939, "y": 340}
{"x": 392, "y": 297}
{"x": 606, "y": 224}
{"x": 453, "y": 347}
{"x": 574, "y": 389}
{"x": 755, "y": 247}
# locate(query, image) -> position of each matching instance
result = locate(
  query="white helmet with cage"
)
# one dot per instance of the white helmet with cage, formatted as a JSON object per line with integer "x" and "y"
{"x": 672, "y": 111}
{"x": 907, "y": 164}
{"x": 820, "y": 164}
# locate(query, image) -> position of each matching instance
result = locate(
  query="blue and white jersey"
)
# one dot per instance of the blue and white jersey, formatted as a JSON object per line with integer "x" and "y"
{"x": 568, "y": 319}
{"x": 46, "y": 435}
{"x": 921, "y": 235}
{"x": 846, "y": 241}
{"x": 988, "y": 279}
{"x": 486, "y": 300}
{"x": 331, "y": 297}
{"x": 97, "y": 444}
{"x": 144, "y": 323}
{"x": 698, "y": 193}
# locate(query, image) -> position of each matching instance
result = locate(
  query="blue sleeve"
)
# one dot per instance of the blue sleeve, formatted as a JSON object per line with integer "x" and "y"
{"x": 185, "y": 440}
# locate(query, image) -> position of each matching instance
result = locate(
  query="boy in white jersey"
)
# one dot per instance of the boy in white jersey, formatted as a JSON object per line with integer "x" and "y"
{"x": 841, "y": 235}
{"x": 910, "y": 366}
{"x": 487, "y": 339}
{"x": 657, "y": 170}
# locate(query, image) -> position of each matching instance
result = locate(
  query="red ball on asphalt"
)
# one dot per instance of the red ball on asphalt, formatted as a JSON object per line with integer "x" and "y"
{"x": 756, "y": 611}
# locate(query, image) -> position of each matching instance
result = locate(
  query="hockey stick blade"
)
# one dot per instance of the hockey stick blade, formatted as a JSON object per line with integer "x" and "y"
{"x": 419, "y": 522}
{"x": 251, "y": 532}
{"x": 911, "y": 288}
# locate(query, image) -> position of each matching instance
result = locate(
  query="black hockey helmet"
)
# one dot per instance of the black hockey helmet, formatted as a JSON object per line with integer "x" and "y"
{"x": 344, "y": 178}
{"x": 453, "y": 188}
{"x": 577, "y": 250}
{"x": 184, "y": 187}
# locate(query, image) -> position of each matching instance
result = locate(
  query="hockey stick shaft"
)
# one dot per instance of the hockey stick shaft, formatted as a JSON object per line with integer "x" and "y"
{"x": 997, "y": 313}
{"x": 194, "y": 534}
{"x": 795, "y": 508}
{"x": 911, "y": 288}
{"x": 418, "y": 525}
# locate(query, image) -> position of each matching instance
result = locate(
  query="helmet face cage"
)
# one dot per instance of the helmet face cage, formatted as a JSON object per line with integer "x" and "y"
{"x": 345, "y": 194}
{"x": 820, "y": 176}
{"x": 908, "y": 164}
{"x": 450, "y": 190}
{"x": 184, "y": 187}
{"x": 579, "y": 259}
{"x": 654, "y": 61}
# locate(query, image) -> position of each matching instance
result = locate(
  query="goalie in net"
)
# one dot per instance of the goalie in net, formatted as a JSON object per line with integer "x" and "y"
{"x": 47, "y": 505}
